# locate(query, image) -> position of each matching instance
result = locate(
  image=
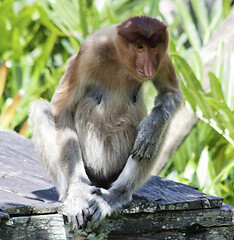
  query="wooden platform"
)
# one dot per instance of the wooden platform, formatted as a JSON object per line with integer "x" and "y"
{"x": 161, "y": 209}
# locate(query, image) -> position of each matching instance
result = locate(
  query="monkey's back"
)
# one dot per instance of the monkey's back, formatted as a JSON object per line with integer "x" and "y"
{"x": 106, "y": 126}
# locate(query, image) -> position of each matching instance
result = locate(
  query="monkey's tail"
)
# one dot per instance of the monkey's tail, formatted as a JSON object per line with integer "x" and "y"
{"x": 44, "y": 137}
{"x": 43, "y": 126}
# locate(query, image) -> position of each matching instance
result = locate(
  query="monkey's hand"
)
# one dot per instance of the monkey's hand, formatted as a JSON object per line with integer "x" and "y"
{"x": 76, "y": 208}
{"x": 148, "y": 138}
{"x": 103, "y": 205}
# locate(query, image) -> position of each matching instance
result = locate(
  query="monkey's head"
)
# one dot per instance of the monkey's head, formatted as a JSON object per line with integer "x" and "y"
{"x": 142, "y": 43}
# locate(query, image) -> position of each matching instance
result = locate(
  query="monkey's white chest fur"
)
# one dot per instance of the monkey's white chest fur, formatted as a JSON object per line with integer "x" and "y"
{"x": 106, "y": 128}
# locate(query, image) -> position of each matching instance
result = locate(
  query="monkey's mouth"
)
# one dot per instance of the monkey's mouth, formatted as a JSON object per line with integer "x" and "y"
{"x": 141, "y": 73}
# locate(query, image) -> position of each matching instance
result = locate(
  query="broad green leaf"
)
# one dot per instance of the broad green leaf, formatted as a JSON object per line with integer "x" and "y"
{"x": 189, "y": 170}
{"x": 188, "y": 96}
{"x": 216, "y": 89}
{"x": 190, "y": 78}
{"x": 110, "y": 15}
{"x": 217, "y": 105}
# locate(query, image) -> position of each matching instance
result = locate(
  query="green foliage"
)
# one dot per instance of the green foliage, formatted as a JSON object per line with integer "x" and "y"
{"x": 206, "y": 158}
{"x": 38, "y": 36}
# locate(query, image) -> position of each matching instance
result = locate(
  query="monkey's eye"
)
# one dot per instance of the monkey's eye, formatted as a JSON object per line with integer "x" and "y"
{"x": 153, "y": 45}
{"x": 139, "y": 45}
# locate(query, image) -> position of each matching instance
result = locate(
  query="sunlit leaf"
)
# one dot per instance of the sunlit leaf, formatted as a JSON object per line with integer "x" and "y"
{"x": 24, "y": 128}
{"x": 216, "y": 89}
{"x": 191, "y": 80}
{"x": 203, "y": 169}
{"x": 9, "y": 111}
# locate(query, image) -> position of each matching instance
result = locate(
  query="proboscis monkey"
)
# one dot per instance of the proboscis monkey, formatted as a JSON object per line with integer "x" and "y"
{"x": 95, "y": 137}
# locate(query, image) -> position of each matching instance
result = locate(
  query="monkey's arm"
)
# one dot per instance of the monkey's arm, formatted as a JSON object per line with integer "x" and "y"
{"x": 151, "y": 130}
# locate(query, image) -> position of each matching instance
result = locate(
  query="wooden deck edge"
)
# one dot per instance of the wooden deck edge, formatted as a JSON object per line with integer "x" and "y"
{"x": 206, "y": 222}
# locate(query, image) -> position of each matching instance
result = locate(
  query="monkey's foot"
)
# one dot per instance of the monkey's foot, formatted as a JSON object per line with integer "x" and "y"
{"x": 76, "y": 207}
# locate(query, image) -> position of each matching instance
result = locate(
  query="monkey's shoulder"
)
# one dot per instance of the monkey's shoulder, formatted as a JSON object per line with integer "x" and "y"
{"x": 100, "y": 44}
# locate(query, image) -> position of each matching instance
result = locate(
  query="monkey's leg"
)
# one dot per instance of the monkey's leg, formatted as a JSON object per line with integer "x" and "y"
{"x": 63, "y": 161}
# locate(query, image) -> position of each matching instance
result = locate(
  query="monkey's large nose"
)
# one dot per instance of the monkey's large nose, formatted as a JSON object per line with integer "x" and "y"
{"x": 148, "y": 69}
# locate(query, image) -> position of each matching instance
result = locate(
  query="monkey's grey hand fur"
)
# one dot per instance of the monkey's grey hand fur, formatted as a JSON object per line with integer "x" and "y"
{"x": 148, "y": 139}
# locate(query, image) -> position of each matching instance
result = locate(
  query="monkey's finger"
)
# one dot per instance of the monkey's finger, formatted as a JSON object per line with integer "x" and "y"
{"x": 91, "y": 203}
{"x": 134, "y": 151}
{"x": 140, "y": 153}
{"x": 96, "y": 191}
{"x": 86, "y": 214}
{"x": 142, "y": 150}
{"x": 149, "y": 151}
{"x": 92, "y": 207}
{"x": 65, "y": 219}
{"x": 137, "y": 145}
{"x": 80, "y": 220}
{"x": 73, "y": 222}
{"x": 136, "y": 157}
{"x": 96, "y": 217}
{"x": 70, "y": 219}
{"x": 92, "y": 223}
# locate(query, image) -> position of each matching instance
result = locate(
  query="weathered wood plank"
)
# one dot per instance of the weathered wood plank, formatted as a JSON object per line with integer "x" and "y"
{"x": 190, "y": 224}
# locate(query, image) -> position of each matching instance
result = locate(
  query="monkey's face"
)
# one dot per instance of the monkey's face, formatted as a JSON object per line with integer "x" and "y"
{"x": 143, "y": 44}
{"x": 146, "y": 60}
